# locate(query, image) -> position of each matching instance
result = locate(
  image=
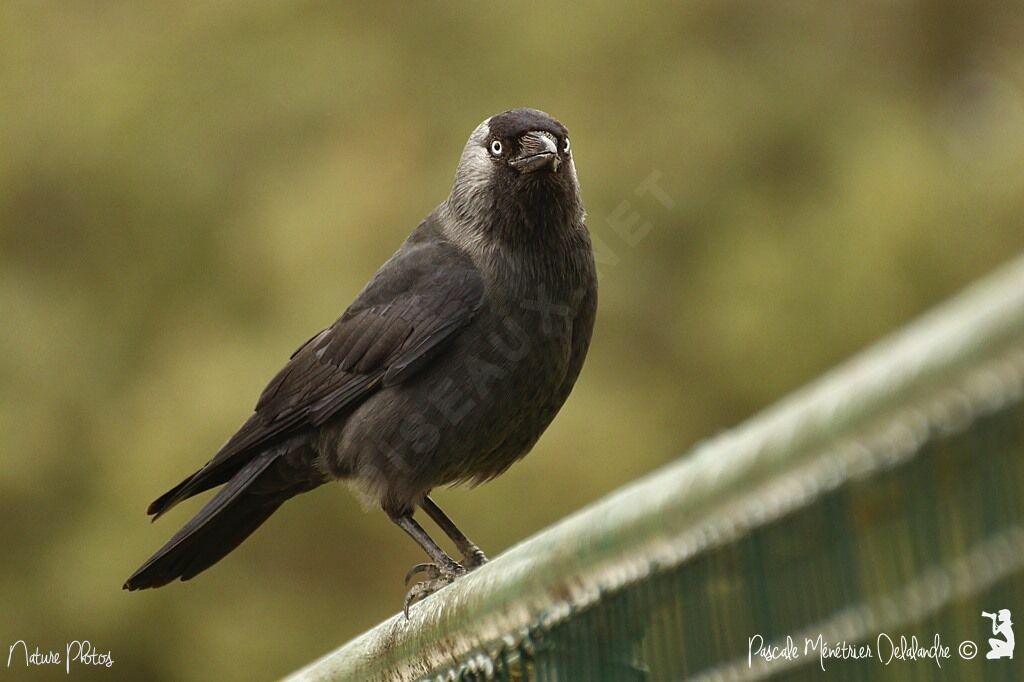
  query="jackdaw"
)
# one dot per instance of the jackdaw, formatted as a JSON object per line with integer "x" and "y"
{"x": 446, "y": 369}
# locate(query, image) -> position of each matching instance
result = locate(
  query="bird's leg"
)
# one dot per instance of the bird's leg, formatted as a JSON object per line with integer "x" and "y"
{"x": 472, "y": 556}
{"x": 443, "y": 571}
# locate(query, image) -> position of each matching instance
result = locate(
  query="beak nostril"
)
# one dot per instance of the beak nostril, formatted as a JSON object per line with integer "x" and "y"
{"x": 537, "y": 142}
{"x": 537, "y": 149}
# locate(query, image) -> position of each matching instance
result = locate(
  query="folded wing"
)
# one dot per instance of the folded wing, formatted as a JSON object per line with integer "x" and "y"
{"x": 404, "y": 318}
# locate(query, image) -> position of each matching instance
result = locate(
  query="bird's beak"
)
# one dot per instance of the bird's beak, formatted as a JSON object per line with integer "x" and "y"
{"x": 536, "y": 150}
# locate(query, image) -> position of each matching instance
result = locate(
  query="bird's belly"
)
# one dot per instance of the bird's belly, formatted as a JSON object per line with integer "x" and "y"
{"x": 465, "y": 417}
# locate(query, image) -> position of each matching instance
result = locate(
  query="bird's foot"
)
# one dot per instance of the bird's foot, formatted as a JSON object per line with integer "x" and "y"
{"x": 474, "y": 558}
{"x": 435, "y": 577}
{"x": 430, "y": 571}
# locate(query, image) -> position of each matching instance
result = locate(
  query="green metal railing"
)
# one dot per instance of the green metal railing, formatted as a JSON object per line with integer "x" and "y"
{"x": 883, "y": 500}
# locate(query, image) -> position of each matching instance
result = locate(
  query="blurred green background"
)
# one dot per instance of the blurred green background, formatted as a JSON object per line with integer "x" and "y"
{"x": 190, "y": 190}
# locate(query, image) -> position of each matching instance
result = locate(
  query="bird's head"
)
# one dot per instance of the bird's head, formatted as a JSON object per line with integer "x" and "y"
{"x": 517, "y": 171}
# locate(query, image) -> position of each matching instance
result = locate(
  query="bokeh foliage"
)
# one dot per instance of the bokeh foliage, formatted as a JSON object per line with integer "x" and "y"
{"x": 189, "y": 190}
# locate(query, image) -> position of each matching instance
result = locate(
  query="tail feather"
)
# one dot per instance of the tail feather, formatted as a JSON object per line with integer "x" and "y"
{"x": 203, "y": 548}
{"x": 193, "y": 485}
{"x": 248, "y": 499}
{"x": 228, "y": 461}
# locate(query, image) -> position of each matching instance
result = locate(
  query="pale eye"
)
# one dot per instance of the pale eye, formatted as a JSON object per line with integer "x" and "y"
{"x": 496, "y": 147}
{"x": 566, "y": 146}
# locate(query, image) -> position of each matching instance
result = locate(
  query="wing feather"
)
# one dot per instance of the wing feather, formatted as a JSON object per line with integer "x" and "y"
{"x": 404, "y": 317}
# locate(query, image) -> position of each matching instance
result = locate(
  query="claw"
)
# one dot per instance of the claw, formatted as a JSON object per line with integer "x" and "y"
{"x": 439, "y": 577}
{"x": 422, "y": 590}
{"x": 431, "y": 571}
